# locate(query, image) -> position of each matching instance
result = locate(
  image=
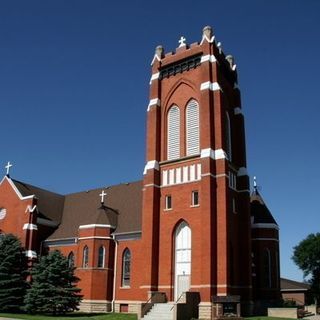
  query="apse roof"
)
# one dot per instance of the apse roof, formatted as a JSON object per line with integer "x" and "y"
{"x": 259, "y": 210}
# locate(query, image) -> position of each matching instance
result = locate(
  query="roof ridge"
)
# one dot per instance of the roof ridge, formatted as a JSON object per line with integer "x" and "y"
{"x": 29, "y": 186}
{"x": 106, "y": 187}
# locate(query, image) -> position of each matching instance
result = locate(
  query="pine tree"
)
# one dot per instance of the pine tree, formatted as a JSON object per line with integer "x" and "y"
{"x": 53, "y": 288}
{"x": 13, "y": 272}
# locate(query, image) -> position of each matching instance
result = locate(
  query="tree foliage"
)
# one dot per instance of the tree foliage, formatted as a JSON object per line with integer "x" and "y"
{"x": 53, "y": 289}
{"x": 306, "y": 255}
{"x": 13, "y": 272}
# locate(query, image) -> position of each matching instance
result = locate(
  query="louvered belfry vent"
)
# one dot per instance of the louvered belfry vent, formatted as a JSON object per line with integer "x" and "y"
{"x": 192, "y": 127}
{"x": 173, "y": 133}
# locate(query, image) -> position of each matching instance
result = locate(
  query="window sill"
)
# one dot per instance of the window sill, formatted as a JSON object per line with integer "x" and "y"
{"x": 125, "y": 287}
{"x": 195, "y": 206}
{"x": 167, "y": 209}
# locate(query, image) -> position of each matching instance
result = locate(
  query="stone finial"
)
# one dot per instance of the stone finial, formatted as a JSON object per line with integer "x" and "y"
{"x": 230, "y": 60}
{"x": 207, "y": 32}
{"x": 159, "y": 52}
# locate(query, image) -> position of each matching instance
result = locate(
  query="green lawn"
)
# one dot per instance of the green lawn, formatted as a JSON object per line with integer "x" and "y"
{"x": 74, "y": 316}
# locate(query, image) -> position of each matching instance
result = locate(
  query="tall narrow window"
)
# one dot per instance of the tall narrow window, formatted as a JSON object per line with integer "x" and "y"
{"x": 101, "y": 257}
{"x": 173, "y": 133}
{"x": 192, "y": 128}
{"x": 126, "y": 268}
{"x": 85, "y": 257}
{"x": 267, "y": 268}
{"x": 168, "y": 202}
{"x": 228, "y": 137}
{"x": 194, "y": 198}
{"x": 71, "y": 259}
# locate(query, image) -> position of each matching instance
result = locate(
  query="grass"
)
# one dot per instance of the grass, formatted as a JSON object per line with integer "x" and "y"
{"x": 74, "y": 316}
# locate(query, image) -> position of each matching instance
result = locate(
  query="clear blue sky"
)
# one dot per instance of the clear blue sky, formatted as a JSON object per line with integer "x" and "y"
{"x": 74, "y": 91}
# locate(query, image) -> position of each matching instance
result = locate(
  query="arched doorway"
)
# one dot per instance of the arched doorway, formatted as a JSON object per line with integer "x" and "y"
{"x": 182, "y": 259}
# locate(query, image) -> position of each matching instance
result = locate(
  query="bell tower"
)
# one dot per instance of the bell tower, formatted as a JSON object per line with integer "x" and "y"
{"x": 196, "y": 207}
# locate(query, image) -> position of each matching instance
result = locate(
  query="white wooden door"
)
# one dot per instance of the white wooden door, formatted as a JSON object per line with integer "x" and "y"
{"x": 182, "y": 259}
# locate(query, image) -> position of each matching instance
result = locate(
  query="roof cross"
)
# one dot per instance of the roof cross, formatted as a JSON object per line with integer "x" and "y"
{"x": 102, "y": 195}
{"x": 182, "y": 41}
{"x": 255, "y": 182}
{"x": 8, "y": 166}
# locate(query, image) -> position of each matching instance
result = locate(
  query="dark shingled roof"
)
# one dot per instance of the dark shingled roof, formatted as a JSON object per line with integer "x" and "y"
{"x": 287, "y": 284}
{"x": 122, "y": 209}
{"x": 259, "y": 210}
{"x": 50, "y": 204}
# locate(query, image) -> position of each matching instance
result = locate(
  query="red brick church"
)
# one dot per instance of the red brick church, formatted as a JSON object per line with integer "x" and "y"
{"x": 187, "y": 239}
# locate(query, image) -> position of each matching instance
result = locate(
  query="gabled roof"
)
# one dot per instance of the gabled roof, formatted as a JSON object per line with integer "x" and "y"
{"x": 122, "y": 209}
{"x": 259, "y": 211}
{"x": 290, "y": 285}
{"x": 49, "y": 204}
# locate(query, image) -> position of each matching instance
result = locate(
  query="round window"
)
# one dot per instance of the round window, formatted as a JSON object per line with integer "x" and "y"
{"x": 3, "y": 213}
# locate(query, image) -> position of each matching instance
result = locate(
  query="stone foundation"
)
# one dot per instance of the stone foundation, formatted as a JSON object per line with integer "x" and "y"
{"x": 98, "y": 306}
{"x": 205, "y": 310}
{"x": 128, "y": 307}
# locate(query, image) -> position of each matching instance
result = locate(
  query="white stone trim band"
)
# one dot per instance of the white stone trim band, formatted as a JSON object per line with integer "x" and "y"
{"x": 242, "y": 172}
{"x": 265, "y": 239}
{"x": 153, "y": 102}
{"x": 30, "y": 254}
{"x": 213, "y": 86}
{"x": 213, "y": 154}
{"x": 90, "y": 226}
{"x": 208, "y": 57}
{"x": 153, "y": 164}
{"x": 264, "y": 226}
{"x": 237, "y": 111}
{"x": 30, "y": 226}
{"x": 155, "y": 76}
{"x": 95, "y": 237}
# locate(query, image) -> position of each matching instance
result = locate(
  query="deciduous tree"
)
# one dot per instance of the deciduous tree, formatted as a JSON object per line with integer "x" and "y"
{"x": 306, "y": 255}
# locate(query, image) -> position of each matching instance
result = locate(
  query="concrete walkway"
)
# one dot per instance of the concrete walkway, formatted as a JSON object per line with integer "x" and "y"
{"x": 8, "y": 319}
{"x": 314, "y": 317}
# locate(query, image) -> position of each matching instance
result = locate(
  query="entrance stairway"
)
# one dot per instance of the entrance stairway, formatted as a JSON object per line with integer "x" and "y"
{"x": 160, "y": 311}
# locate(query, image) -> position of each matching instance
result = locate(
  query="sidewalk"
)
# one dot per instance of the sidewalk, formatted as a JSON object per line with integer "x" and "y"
{"x": 315, "y": 317}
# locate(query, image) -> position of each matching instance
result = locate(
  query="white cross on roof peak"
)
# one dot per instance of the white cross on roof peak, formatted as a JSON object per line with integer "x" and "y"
{"x": 8, "y": 166}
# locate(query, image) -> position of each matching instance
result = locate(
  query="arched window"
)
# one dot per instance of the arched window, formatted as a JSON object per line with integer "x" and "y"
{"x": 228, "y": 137}
{"x": 173, "y": 133}
{"x": 85, "y": 257}
{"x": 267, "y": 268}
{"x": 126, "y": 267}
{"x": 71, "y": 259}
{"x": 192, "y": 128}
{"x": 101, "y": 256}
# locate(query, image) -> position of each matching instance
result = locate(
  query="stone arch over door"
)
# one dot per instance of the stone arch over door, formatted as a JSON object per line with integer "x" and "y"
{"x": 182, "y": 259}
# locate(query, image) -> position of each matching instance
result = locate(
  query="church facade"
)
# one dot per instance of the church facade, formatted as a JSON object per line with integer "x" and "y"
{"x": 190, "y": 229}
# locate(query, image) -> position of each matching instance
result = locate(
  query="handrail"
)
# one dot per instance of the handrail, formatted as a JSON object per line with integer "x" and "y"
{"x": 176, "y": 302}
{"x": 145, "y": 305}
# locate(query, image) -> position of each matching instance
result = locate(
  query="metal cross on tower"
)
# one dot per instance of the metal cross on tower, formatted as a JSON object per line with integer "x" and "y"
{"x": 8, "y": 166}
{"x": 182, "y": 41}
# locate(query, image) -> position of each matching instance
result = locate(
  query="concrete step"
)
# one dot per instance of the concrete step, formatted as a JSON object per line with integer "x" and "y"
{"x": 160, "y": 311}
